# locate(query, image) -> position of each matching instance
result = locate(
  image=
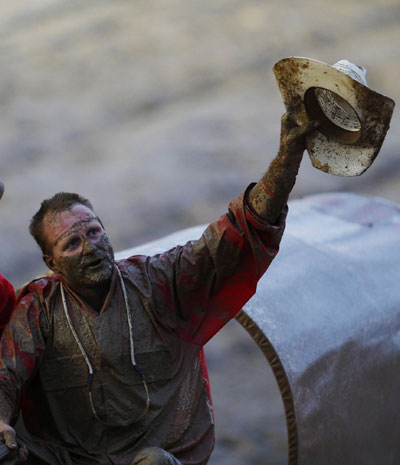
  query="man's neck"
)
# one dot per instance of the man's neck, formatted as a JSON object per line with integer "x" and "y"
{"x": 94, "y": 297}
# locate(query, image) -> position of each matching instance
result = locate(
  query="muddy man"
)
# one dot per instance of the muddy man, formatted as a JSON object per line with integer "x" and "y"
{"x": 105, "y": 358}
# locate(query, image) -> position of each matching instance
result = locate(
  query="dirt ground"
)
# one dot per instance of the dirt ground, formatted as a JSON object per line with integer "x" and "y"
{"x": 161, "y": 112}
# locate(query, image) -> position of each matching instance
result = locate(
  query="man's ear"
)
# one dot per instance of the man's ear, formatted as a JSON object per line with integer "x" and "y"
{"x": 48, "y": 259}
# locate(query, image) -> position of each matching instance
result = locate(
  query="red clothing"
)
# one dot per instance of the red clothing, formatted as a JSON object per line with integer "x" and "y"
{"x": 7, "y": 301}
{"x": 178, "y": 300}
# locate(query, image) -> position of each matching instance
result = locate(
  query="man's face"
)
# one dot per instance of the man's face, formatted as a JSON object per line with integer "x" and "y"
{"x": 79, "y": 247}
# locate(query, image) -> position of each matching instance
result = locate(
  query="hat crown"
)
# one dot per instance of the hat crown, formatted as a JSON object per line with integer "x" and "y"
{"x": 356, "y": 72}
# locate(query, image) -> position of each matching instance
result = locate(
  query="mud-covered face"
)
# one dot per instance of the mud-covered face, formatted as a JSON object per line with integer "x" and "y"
{"x": 80, "y": 249}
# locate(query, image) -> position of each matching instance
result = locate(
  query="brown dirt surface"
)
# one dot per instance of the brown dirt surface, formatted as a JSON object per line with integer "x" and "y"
{"x": 161, "y": 112}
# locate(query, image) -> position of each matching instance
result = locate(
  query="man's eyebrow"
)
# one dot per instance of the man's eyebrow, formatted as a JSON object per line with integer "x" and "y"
{"x": 75, "y": 227}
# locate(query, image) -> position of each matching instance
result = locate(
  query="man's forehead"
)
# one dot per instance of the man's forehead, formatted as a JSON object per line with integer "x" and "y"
{"x": 76, "y": 227}
{"x": 60, "y": 224}
{"x": 70, "y": 215}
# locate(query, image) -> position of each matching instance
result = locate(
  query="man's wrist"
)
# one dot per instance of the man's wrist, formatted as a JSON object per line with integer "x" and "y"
{"x": 265, "y": 203}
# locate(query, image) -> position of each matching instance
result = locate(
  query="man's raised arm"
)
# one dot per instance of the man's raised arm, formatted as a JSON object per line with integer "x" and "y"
{"x": 270, "y": 194}
{"x": 196, "y": 288}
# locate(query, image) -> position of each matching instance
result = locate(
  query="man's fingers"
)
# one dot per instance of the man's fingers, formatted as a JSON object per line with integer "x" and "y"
{"x": 303, "y": 130}
{"x": 10, "y": 439}
{"x": 288, "y": 122}
{"x": 311, "y": 125}
{"x": 297, "y": 124}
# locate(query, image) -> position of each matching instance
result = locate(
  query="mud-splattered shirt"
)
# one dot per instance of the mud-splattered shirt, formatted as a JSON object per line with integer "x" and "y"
{"x": 178, "y": 300}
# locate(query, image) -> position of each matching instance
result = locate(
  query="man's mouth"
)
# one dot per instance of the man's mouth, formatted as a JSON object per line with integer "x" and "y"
{"x": 94, "y": 264}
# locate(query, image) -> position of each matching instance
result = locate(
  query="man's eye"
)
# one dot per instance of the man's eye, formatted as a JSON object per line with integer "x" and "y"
{"x": 72, "y": 243}
{"x": 94, "y": 232}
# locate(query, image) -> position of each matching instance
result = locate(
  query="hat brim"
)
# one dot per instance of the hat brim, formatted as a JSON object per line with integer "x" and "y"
{"x": 296, "y": 75}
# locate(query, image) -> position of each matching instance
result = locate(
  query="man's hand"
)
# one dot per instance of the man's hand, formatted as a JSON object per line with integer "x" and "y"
{"x": 270, "y": 194}
{"x": 294, "y": 131}
{"x": 17, "y": 448}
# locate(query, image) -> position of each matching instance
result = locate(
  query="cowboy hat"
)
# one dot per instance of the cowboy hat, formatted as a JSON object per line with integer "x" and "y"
{"x": 353, "y": 119}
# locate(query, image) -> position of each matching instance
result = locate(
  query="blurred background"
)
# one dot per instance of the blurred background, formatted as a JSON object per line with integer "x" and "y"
{"x": 160, "y": 112}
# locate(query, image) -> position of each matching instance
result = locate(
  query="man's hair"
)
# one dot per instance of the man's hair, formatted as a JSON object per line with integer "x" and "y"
{"x": 56, "y": 204}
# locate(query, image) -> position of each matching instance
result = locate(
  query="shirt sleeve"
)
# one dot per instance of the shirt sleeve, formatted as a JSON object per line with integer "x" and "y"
{"x": 197, "y": 288}
{"x": 22, "y": 344}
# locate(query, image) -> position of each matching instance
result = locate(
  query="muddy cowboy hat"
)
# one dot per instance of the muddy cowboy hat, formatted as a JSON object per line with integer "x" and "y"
{"x": 353, "y": 119}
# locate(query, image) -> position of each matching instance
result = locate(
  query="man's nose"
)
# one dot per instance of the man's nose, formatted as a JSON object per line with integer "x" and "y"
{"x": 88, "y": 247}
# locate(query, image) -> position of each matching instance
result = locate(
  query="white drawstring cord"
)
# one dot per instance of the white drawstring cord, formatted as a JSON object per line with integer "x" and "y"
{"x": 131, "y": 342}
{"x": 128, "y": 315}
{"x": 86, "y": 357}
